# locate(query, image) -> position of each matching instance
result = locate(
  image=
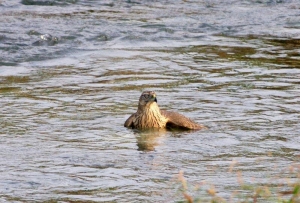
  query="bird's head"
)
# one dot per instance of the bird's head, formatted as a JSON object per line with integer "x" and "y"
{"x": 147, "y": 99}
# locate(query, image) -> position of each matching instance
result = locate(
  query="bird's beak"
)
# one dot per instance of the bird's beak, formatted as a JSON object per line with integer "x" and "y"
{"x": 154, "y": 98}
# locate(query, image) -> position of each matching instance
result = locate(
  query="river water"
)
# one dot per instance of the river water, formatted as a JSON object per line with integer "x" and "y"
{"x": 72, "y": 72}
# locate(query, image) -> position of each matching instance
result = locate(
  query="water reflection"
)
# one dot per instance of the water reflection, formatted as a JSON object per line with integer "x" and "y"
{"x": 148, "y": 140}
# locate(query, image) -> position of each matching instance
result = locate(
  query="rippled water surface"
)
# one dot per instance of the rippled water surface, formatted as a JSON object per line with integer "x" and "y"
{"x": 72, "y": 72}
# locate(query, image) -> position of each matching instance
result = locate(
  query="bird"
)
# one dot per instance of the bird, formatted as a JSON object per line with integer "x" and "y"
{"x": 149, "y": 116}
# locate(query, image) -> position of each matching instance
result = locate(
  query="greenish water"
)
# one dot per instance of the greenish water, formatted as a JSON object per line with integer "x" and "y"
{"x": 63, "y": 103}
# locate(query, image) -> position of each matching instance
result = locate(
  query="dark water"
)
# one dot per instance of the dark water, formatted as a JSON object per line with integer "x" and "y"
{"x": 72, "y": 71}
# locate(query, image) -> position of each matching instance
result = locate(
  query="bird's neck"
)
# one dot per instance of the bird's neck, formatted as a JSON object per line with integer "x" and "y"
{"x": 150, "y": 116}
{"x": 149, "y": 108}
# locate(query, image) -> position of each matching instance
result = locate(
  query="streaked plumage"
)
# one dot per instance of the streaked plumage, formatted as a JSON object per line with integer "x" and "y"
{"x": 149, "y": 116}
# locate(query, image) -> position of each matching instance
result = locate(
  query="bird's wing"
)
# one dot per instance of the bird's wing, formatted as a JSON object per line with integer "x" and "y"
{"x": 129, "y": 122}
{"x": 176, "y": 120}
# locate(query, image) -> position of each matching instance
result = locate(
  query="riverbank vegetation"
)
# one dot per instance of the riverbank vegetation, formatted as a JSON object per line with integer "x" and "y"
{"x": 277, "y": 189}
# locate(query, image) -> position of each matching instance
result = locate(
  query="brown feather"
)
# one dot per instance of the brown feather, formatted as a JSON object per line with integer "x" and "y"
{"x": 149, "y": 115}
{"x": 176, "y": 120}
{"x": 128, "y": 123}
